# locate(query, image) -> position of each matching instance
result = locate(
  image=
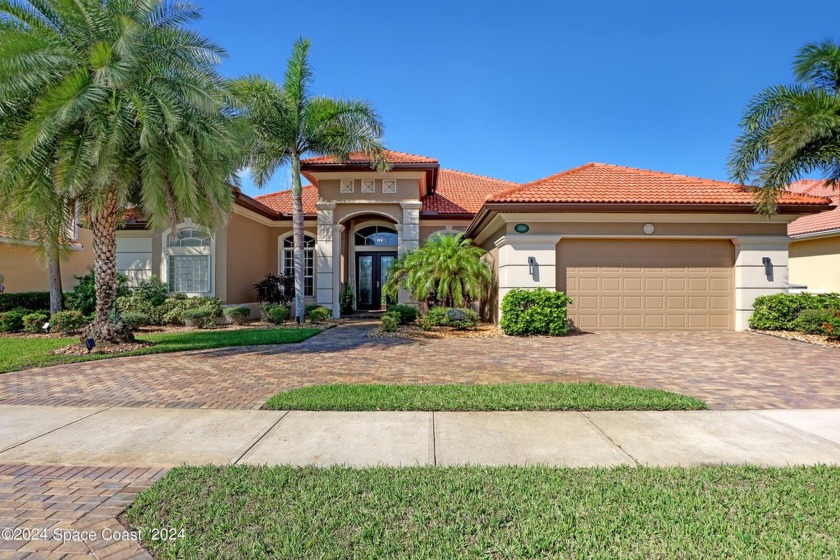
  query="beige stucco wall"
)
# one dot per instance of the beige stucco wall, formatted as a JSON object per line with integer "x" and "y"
{"x": 661, "y": 228}
{"x": 407, "y": 189}
{"x": 251, "y": 253}
{"x": 25, "y": 272}
{"x": 427, "y": 229}
{"x": 816, "y": 263}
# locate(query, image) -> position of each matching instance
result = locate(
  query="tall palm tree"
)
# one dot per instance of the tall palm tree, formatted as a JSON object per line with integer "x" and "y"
{"x": 788, "y": 131}
{"x": 289, "y": 122}
{"x": 447, "y": 269}
{"x": 124, "y": 105}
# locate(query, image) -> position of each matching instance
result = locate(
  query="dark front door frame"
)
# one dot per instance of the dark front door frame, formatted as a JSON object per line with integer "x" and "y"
{"x": 375, "y": 287}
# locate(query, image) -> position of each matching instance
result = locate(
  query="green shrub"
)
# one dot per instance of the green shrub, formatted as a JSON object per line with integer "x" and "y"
{"x": 12, "y": 321}
{"x": 811, "y": 321}
{"x": 135, "y": 303}
{"x": 407, "y": 313}
{"x": 390, "y": 321}
{"x": 831, "y": 328}
{"x": 319, "y": 314}
{"x": 82, "y": 298}
{"x": 238, "y": 315}
{"x": 309, "y": 308}
{"x": 134, "y": 319}
{"x": 455, "y": 317}
{"x": 347, "y": 299}
{"x": 153, "y": 291}
{"x": 34, "y": 322}
{"x": 175, "y": 306}
{"x": 24, "y": 300}
{"x": 276, "y": 313}
{"x": 779, "y": 311}
{"x": 274, "y": 289}
{"x": 199, "y": 317}
{"x": 68, "y": 322}
{"x": 534, "y": 312}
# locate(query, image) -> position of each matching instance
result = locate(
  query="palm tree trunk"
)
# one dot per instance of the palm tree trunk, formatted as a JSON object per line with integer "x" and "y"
{"x": 104, "y": 228}
{"x": 56, "y": 292}
{"x": 297, "y": 232}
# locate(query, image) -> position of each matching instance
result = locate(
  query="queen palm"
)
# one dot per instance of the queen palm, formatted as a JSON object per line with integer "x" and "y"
{"x": 447, "y": 269}
{"x": 289, "y": 122}
{"x": 789, "y": 131}
{"x": 123, "y": 106}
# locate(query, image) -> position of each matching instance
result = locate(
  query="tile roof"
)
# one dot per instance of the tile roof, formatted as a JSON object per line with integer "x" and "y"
{"x": 356, "y": 158}
{"x": 461, "y": 193}
{"x": 824, "y": 221}
{"x": 281, "y": 201}
{"x": 605, "y": 183}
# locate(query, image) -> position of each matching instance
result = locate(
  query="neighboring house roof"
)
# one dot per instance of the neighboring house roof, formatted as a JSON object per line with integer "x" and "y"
{"x": 281, "y": 201}
{"x": 461, "y": 193}
{"x": 358, "y": 158}
{"x": 608, "y": 184}
{"x": 823, "y": 222}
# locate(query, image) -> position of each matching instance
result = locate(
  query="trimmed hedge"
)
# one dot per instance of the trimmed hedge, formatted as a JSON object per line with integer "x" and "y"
{"x": 12, "y": 321}
{"x": 199, "y": 317}
{"x": 779, "y": 312}
{"x": 34, "y": 322}
{"x": 535, "y": 312}
{"x": 407, "y": 313}
{"x": 457, "y": 318}
{"x": 276, "y": 313}
{"x": 319, "y": 314}
{"x": 68, "y": 322}
{"x": 390, "y": 321}
{"x": 34, "y": 301}
{"x": 239, "y": 315}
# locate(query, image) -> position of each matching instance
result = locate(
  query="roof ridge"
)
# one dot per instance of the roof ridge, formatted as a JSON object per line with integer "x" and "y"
{"x": 524, "y": 186}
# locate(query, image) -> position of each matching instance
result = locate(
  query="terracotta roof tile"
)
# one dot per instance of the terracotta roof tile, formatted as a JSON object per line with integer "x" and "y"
{"x": 605, "y": 183}
{"x": 281, "y": 201}
{"x": 824, "y": 221}
{"x": 461, "y": 193}
{"x": 391, "y": 156}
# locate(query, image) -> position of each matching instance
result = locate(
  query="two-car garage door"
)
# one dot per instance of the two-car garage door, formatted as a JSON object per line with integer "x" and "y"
{"x": 647, "y": 284}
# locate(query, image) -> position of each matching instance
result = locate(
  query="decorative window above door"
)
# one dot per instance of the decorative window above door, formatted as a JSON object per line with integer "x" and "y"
{"x": 389, "y": 185}
{"x": 368, "y": 186}
{"x": 347, "y": 186}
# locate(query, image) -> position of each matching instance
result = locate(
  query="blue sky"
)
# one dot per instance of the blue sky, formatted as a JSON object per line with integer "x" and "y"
{"x": 520, "y": 90}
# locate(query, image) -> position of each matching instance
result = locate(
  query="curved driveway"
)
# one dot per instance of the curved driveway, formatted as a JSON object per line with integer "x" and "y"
{"x": 728, "y": 370}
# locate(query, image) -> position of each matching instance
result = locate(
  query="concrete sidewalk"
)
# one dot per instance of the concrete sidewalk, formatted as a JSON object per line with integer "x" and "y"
{"x": 167, "y": 437}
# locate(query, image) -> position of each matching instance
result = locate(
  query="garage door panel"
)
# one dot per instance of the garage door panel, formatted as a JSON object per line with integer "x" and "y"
{"x": 648, "y": 284}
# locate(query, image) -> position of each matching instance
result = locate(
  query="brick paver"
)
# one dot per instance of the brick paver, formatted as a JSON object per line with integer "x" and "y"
{"x": 728, "y": 370}
{"x": 69, "y": 512}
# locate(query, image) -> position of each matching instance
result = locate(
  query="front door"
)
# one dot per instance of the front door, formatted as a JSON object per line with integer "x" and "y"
{"x": 371, "y": 273}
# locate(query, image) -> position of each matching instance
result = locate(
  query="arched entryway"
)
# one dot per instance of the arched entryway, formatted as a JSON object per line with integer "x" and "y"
{"x": 372, "y": 244}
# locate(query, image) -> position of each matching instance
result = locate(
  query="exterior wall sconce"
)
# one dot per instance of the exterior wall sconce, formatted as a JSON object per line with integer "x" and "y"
{"x": 768, "y": 267}
{"x": 533, "y": 268}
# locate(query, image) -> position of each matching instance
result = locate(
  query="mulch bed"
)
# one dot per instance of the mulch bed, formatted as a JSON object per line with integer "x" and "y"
{"x": 415, "y": 332}
{"x": 102, "y": 348}
{"x": 818, "y": 339}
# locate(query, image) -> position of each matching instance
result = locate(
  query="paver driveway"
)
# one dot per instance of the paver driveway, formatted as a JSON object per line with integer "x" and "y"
{"x": 728, "y": 370}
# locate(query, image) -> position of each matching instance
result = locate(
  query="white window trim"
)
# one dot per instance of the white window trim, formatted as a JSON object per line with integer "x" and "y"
{"x": 372, "y": 186}
{"x": 281, "y": 265}
{"x": 394, "y": 181}
{"x": 210, "y": 252}
{"x": 341, "y": 186}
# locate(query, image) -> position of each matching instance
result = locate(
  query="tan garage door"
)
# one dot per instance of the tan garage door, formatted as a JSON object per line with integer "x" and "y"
{"x": 647, "y": 284}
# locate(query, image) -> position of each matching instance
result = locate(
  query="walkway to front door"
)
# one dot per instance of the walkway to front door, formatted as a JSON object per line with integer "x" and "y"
{"x": 371, "y": 273}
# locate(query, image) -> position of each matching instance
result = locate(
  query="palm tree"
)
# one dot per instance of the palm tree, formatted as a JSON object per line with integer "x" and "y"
{"x": 788, "y": 131}
{"x": 123, "y": 106}
{"x": 447, "y": 269}
{"x": 289, "y": 122}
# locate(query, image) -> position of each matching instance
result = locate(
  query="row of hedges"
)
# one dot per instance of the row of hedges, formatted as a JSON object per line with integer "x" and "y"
{"x": 807, "y": 313}
{"x": 24, "y": 300}
{"x": 26, "y": 320}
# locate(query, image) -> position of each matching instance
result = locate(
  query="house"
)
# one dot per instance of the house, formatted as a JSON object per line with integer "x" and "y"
{"x": 635, "y": 249}
{"x": 815, "y": 245}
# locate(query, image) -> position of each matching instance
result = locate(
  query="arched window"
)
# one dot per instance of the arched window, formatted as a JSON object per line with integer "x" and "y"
{"x": 287, "y": 261}
{"x": 188, "y": 258}
{"x": 377, "y": 236}
{"x": 189, "y": 237}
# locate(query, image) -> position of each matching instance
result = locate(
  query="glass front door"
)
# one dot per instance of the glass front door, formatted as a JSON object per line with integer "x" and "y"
{"x": 371, "y": 273}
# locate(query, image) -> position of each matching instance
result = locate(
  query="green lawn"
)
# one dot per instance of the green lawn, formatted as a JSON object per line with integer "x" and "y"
{"x": 473, "y": 512}
{"x": 24, "y": 353}
{"x": 506, "y": 396}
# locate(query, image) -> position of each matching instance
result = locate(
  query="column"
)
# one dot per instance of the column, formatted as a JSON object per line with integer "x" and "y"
{"x": 324, "y": 294}
{"x": 336, "y": 277}
{"x": 408, "y": 237}
{"x": 515, "y": 270}
{"x": 753, "y": 278}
